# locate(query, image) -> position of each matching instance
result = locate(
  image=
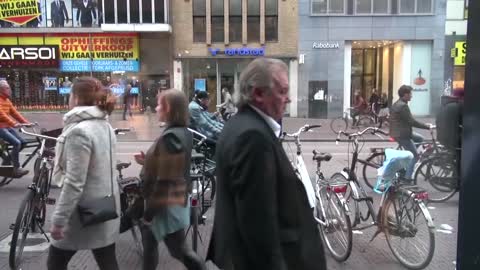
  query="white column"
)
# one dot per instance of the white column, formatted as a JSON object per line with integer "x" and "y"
{"x": 347, "y": 75}
{"x": 407, "y": 63}
{"x": 293, "y": 79}
{"x": 178, "y": 75}
{"x": 219, "y": 82}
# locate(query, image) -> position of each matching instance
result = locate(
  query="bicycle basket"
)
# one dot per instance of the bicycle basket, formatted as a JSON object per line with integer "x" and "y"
{"x": 51, "y": 133}
{"x": 396, "y": 160}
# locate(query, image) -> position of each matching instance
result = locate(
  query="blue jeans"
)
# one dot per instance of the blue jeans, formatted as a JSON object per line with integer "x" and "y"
{"x": 11, "y": 136}
{"x": 409, "y": 145}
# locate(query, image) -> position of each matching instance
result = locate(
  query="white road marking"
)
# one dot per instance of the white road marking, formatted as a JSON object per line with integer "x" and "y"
{"x": 41, "y": 246}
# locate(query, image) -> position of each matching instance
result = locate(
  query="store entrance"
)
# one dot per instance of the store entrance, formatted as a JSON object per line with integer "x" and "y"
{"x": 372, "y": 70}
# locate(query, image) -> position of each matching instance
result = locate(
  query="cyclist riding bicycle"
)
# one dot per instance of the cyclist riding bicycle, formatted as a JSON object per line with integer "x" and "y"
{"x": 203, "y": 121}
{"x": 401, "y": 126}
{"x": 10, "y": 118}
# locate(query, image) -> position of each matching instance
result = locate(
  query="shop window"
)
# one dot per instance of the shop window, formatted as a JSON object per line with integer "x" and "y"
{"x": 159, "y": 11}
{"x": 253, "y": 21}
{"x": 199, "y": 21}
{"x": 217, "y": 20}
{"x": 325, "y": 7}
{"x": 424, "y": 6}
{"x": 235, "y": 21}
{"x": 147, "y": 11}
{"x": 271, "y": 20}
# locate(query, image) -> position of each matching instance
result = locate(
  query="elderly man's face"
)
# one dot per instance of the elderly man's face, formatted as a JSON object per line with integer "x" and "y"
{"x": 275, "y": 102}
{"x": 5, "y": 90}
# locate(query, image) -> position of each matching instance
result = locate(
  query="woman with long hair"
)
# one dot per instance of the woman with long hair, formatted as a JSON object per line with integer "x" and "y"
{"x": 84, "y": 168}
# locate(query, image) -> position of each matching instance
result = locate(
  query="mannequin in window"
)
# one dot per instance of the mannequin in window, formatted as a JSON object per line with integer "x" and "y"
{"x": 58, "y": 13}
{"x": 86, "y": 13}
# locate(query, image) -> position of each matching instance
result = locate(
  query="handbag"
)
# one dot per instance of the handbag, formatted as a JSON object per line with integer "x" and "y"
{"x": 99, "y": 210}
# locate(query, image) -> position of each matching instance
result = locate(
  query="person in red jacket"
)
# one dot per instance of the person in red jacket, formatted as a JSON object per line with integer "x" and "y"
{"x": 9, "y": 119}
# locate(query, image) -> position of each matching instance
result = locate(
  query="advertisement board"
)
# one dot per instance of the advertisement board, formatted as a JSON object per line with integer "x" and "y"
{"x": 29, "y": 56}
{"x": 84, "y": 52}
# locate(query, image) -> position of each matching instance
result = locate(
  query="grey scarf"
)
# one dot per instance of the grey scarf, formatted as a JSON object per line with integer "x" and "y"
{"x": 71, "y": 119}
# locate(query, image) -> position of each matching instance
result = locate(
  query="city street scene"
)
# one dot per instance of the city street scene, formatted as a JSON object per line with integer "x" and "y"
{"x": 231, "y": 134}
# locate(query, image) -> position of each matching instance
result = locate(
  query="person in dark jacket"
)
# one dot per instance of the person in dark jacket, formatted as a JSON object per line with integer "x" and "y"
{"x": 127, "y": 99}
{"x": 165, "y": 174}
{"x": 263, "y": 219}
{"x": 402, "y": 124}
{"x": 58, "y": 13}
{"x": 86, "y": 13}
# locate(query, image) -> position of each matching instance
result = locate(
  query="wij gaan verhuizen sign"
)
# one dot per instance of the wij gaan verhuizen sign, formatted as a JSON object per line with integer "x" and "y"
{"x": 19, "y": 11}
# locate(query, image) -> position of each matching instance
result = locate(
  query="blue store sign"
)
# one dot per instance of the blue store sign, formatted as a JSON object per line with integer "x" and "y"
{"x": 245, "y": 51}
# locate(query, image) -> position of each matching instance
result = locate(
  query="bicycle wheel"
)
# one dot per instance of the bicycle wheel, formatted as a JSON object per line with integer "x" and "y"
{"x": 40, "y": 209}
{"x": 21, "y": 230}
{"x": 369, "y": 171}
{"x": 339, "y": 124}
{"x": 137, "y": 237}
{"x": 194, "y": 226}
{"x": 438, "y": 175}
{"x": 409, "y": 230}
{"x": 352, "y": 204}
{"x": 365, "y": 121}
{"x": 337, "y": 233}
{"x": 207, "y": 193}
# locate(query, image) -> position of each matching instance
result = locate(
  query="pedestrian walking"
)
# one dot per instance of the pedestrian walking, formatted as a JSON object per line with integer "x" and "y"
{"x": 84, "y": 167}
{"x": 166, "y": 176}
{"x": 127, "y": 101}
{"x": 262, "y": 216}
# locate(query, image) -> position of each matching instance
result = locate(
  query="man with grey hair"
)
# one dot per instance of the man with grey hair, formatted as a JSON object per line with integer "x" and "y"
{"x": 263, "y": 219}
{"x": 10, "y": 118}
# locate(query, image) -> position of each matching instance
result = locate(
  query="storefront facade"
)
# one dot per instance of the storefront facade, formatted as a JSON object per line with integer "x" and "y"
{"x": 214, "y": 40}
{"x": 41, "y": 58}
{"x": 455, "y": 44}
{"x": 364, "y": 45}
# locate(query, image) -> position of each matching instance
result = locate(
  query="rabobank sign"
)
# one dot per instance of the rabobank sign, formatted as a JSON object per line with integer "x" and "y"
{"x": 325, "y": 45}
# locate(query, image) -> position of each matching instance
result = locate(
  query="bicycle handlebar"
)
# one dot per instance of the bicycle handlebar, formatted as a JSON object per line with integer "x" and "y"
{"x": 121, "y": 130}
{"x": 22, "y": 130}
{"x": 304, "y": 128}
{"x": 355, "y": 135}
{"x": 204, "y": 138}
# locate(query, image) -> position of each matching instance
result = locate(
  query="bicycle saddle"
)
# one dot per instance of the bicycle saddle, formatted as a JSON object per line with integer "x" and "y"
{"x": 197, "y": 156}
{"x": 123, "y": 165}
{"x": 322, "y": 157}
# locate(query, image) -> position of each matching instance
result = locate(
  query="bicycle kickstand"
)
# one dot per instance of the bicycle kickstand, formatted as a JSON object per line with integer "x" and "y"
{"x": 42, "y": 231}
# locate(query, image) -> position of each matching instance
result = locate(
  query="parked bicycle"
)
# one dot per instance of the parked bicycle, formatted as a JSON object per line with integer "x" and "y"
{"x": 330, "y": 209}
{"x": 202, "y": 173}
{"x": 344, "y": 122}
{"x": 33, "y": 208}
{"x": 440, "y": 171}
{"x": 402, "y": 214}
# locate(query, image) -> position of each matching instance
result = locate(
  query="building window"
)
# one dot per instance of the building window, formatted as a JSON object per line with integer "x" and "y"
{"x": 380, "y": 6}
{"x": 217, "y": 19}
{"x": 199, "y": 21}
{"x": 416, "y": 6}
{"x": 372, "y": 6}
{"x": 235, "y": 30}
{"x": 253, "y": 21}
{"x": 271, "y": 20}
{"x": 325, "y": 7}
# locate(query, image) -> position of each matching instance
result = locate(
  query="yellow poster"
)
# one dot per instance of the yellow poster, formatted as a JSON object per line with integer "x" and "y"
{"x": 19, "y": 11}
{"x": 461, "y": 53}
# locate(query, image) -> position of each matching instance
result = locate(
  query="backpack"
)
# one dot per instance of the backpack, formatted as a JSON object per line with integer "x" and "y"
{"x": 449, "y": 124}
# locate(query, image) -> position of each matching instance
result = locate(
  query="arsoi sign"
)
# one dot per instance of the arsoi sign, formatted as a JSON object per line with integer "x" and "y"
{"x": 16, "y": 56}
{"x": 325, "y": 45}
{"x": 238, "y": 51}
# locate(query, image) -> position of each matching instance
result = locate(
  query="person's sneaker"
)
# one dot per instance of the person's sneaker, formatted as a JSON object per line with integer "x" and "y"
{"x": 19, "y": 172}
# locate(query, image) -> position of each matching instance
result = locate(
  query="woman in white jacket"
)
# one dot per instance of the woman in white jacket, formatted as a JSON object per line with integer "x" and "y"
{"x": 86, "y": 170}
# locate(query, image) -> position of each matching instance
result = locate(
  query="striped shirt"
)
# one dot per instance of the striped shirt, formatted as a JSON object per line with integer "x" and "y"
{"x": 8, "y": 114}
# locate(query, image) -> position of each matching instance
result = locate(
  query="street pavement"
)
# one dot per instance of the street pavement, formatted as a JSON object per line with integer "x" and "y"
{"x": 365, "y": 255}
